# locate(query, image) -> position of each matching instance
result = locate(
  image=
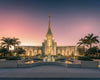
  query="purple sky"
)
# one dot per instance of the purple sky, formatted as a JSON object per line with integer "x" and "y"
{"x": 28, "y": 20}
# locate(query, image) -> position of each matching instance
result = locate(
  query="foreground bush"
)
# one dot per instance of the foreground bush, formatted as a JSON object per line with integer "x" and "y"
{"x": 60, "y": 59}
{"x": 85, "y": 58}
{"x": 37, "y": 59}
{"x": 3, "y": 57}
{"x": 95, "y": 57}
{"x": 13, "y": 58}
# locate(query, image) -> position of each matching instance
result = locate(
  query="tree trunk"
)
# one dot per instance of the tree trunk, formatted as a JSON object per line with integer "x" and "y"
{"x": 4, "y": 54}
{"x": 14, "y": 47}
{"x": 8, "y": 47}
{"x": 90, "y": 45}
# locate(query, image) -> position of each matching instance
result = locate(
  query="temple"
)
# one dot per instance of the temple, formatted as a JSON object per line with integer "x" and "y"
{"x": 49, "y": 46}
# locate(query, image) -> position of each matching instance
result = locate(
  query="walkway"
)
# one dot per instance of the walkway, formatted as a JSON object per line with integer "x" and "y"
{"x": 50, "y": 71}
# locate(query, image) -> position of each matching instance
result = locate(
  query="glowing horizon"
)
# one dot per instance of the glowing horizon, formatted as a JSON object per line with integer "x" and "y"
{"x": 28, "y": 20}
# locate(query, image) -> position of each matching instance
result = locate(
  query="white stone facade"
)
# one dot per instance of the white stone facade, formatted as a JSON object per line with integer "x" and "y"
{"x": 49, "y": 46}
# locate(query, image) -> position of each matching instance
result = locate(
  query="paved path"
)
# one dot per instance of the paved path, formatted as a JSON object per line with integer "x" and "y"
{"x": 50, "y": 71}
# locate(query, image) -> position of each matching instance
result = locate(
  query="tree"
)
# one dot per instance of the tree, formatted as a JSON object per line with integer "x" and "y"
{"x": 15, "y": 41}
{"x": 20, "y": 50}
{"x": 82, "y": 41}
{"x": 6, "y": 42}
{"x": 81, "y": 50}
{"x": 98, "y": 50}
{"x": 91, "y": 39}
{"x": 88, "y": 40}
{"x": 4, "y": 51}
{"x": 92, "y": 51}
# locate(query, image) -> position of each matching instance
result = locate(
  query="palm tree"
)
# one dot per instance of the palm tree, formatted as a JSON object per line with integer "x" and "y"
{"x": 4, "y": 51}
{"x": 88, "y": 40}
{"x": 6, "y": 42}
{"x": 82, "y": 41}
{"x": 20, "y": 50}
{"x": 15, "y": 41}
{"x": 91, "y": 39}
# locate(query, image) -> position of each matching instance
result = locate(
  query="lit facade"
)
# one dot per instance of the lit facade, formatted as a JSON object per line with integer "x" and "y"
{"x": 49, "y": 46}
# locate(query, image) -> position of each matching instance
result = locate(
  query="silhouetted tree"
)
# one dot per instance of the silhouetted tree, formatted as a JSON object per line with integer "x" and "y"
{"x": 15, "y": 41}
{"x": 6, "y": 42}
{"x": 20, "y": 50}
{"x": 88, "y": 40}
{"x": 4, "y": 51}
{"x": 82, "y": 41}
{"x": 91, "y": 39}
{"x": 92, "y": 51}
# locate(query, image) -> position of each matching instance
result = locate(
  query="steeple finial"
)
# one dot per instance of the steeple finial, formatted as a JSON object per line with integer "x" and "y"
{"x": 49, "y": 28}
{"x": 49, "y": 22}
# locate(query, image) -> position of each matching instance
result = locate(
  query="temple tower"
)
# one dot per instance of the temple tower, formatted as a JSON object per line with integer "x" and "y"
{"x": 49, "y": 45}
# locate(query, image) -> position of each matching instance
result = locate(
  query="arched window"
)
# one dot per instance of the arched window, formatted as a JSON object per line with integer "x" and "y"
{"x": 63, "y": 52}
{"x": 58, "y": 51}
{"x": 67, "y": 52}
{"x": 35, "y": 51}
{"x": 40, "y": 52}
{"x": 72, "y": 53}
{"x": 30, "y": 53}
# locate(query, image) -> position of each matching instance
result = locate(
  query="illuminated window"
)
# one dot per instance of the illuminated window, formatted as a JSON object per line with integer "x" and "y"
{"x": 49, "y": 50}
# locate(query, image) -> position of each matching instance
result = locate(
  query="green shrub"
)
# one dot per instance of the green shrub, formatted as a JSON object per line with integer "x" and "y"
{"x": 61, "y": 59}
{"x": 3, "y": 57}
{"x": 13, "y": 58}
{"x": 37, "y": 59}
{"x": 94, "y": 57}
{"x": 85, "y": 58}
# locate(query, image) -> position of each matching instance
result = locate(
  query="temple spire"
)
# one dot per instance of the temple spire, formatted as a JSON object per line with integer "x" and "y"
{"x": 49, "y": 33}
{"x": 49, "y": 22}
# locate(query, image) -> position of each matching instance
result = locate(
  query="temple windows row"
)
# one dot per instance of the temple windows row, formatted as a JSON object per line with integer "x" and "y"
{"x": 62, "y": 51}
{"x": 66, "y": 52}
{"x": 31, "y": 52}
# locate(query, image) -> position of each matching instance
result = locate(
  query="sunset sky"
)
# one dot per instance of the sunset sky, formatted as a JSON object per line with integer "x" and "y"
{"x": 28, "y": 20}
